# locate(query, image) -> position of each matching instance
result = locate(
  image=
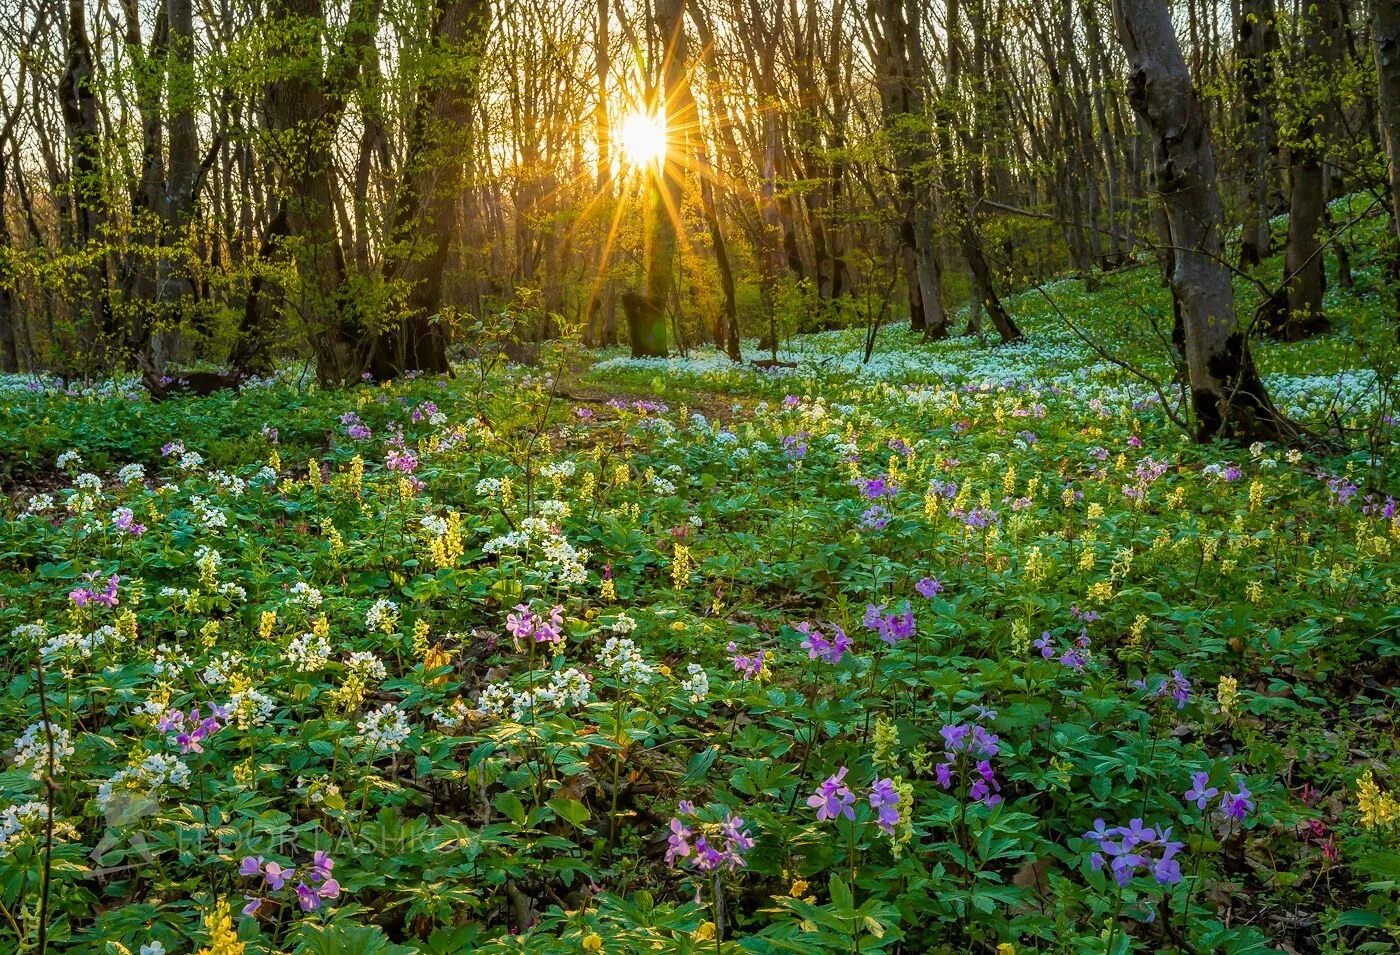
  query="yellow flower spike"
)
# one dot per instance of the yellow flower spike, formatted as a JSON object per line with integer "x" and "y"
{"x": 223, "y": 940}
{"x": 593, "y": 942}
{"x": 705, "y": 932}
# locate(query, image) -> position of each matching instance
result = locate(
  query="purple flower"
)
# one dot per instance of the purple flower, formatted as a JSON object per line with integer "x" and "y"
{"x": 1237, "y": 805}
{"x": 877, "y": 487}
{"x": 817, "y": 645}
{"x": 322, "y": 864}
{"x": 929, "y": 587}
{"x": 875, "y": 518}
{"x": 884, "y": 799}
{"x": 253, "y": 905}
{"x": 307, "y": 898}
{"x": 275, "y": 875}
{"x": 251, "y": 865}
{"x": 749, "y": 666}
{"x": 1198, "y": 793}
{"x": 892, "y": 627}
{"x": 677, "y": 844}
{"x": 1135, "y": 849}
{"x": 833, "y": 798}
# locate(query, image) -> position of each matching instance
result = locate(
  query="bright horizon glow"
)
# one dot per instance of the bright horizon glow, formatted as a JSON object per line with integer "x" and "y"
{"x": 643, "y": 138}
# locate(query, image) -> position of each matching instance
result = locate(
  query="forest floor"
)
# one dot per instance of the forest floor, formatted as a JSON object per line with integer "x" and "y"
{"x": 964, "y": 649}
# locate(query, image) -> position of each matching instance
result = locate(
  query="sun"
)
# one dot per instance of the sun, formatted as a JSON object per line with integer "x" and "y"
{"x": 643, "y": 138}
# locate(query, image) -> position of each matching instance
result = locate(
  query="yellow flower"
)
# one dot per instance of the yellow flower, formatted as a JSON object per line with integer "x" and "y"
{"x": 223, "y": 940}
{"x": 1227, "y": 693}
{"x": 609, "y": 590}
{"x": 705, "y": 932}
{"x": 266, "y": 622}
{"x": 1006, "y": 948}
{"x": 1377, "y": 808}
{"x": 593, "y": 942}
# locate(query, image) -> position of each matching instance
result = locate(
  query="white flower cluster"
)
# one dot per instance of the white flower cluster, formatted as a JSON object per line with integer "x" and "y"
{"x": 190, "y": 460}
{"x": 662, "y": 486}
{"x": 131, "y": 474}
{"x": 488, "y": 487}
{"x": 304, "y": 595}
{"x": 218, "y": 670}
{"x": 80, "y": 645}
{"x": 623, "y": 624}
{"x": 566, "y": 689}
{"x": 170, "y": 661}
{"x": 230, "y": 484}
{"x": 559, "y": 469}
{"x": 249, "y": 708}
{"x": 697, "y": 684}
{"x": 433, "y": 525}
{"x": 210, "y": 518}
{"x": 308, "y": 652}
{"x": 39, "y": 504}
{"x": 382, "y": 616}
{"x": 69, "y": 458}
{"x": 32, "y": 749}
{"x": 28, "y": 818}
{"x": 146, "y": 778}
{"x": 553, "y": 510}
{"x": 560, "y": 561}
{"x": 364, "y": 664}
{"x": 621, "y": 657}
{"x": 384, "y": 729}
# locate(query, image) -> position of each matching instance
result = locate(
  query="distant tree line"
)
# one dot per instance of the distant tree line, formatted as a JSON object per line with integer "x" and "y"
{"x": 371, "y": 185}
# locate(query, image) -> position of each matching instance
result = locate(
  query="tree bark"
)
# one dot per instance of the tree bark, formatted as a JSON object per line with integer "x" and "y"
{"x": 1385, "y": 33}
{"x": 1227, "y": 395}
{"x": 426, "y": 211}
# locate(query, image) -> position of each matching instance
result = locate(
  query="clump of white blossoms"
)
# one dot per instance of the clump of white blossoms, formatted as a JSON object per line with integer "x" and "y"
{"x": 146, "y": 778}
{"x": 131, "y": 474}
{"x": 383, "y": 616}
{"x": 623, "y": 624}
{"x": 28, "y": 818}
{"x": 81, "y": 645}
{"x": 309, "y": 652}
{"x": 69, "y": 458}
{"x": 210, "y": 518}
{"x": 622, "y": 658}
{"x": 304, "y": 595}
{"x": 218, "y": 670}
{"x": 32, "y": 749}
{"x": 384, "y": 729}
{"x": 366, "y": 665}
{"x": 566, "y": 689}
{"x": 559, "y": 469}
{"x": 39, "y": 504}
{"x": 190, "y": 460}
{"x": 697, "y": 684}
{"x": 433, "y": 525}
{"x": 249, "y": 707}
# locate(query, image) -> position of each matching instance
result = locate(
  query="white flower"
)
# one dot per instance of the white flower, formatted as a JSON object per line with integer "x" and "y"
{"x": 190, "y": 460}
{"x": 697, "y": 685}
{"x": 434, "y": 525}
{"x": 131, "y": 474}
{"x": 69, "y": 458}
{"x": 383, "y": 616}
{"x": 15, "y": 821}
{"x": 32, "y": 747}
{"x": 39, "y": 504}
{"x": 146, "y": 778}
{"x": 308, "y": 652}
{"x": 89, "y": 482}
{"x": 365, "y": 664}
{"x": 153, "y": 947}
{"x": 304, "y": 594}
{"x": 384, "y": 729}
{"x": 249, "y": 708}
{"x": 621, "y": 656}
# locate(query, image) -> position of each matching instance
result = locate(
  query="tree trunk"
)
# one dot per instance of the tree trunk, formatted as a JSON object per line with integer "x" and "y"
{"x": 663, "y": 202}
{"x": 427, "y": 208}
{"x": 1385, "y": 32}
{"x": 1226, "y": 393}
{"x": 1307, "y": 206}
{"x": 1256, "y": 45}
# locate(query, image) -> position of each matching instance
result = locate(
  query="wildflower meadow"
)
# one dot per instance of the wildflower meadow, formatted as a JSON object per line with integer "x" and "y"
{"x": 667, "y": 656}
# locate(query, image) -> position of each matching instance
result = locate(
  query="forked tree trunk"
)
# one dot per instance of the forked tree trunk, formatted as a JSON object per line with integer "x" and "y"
{"x": 427, "y": 207}
{"x": 1228, "y": 398}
